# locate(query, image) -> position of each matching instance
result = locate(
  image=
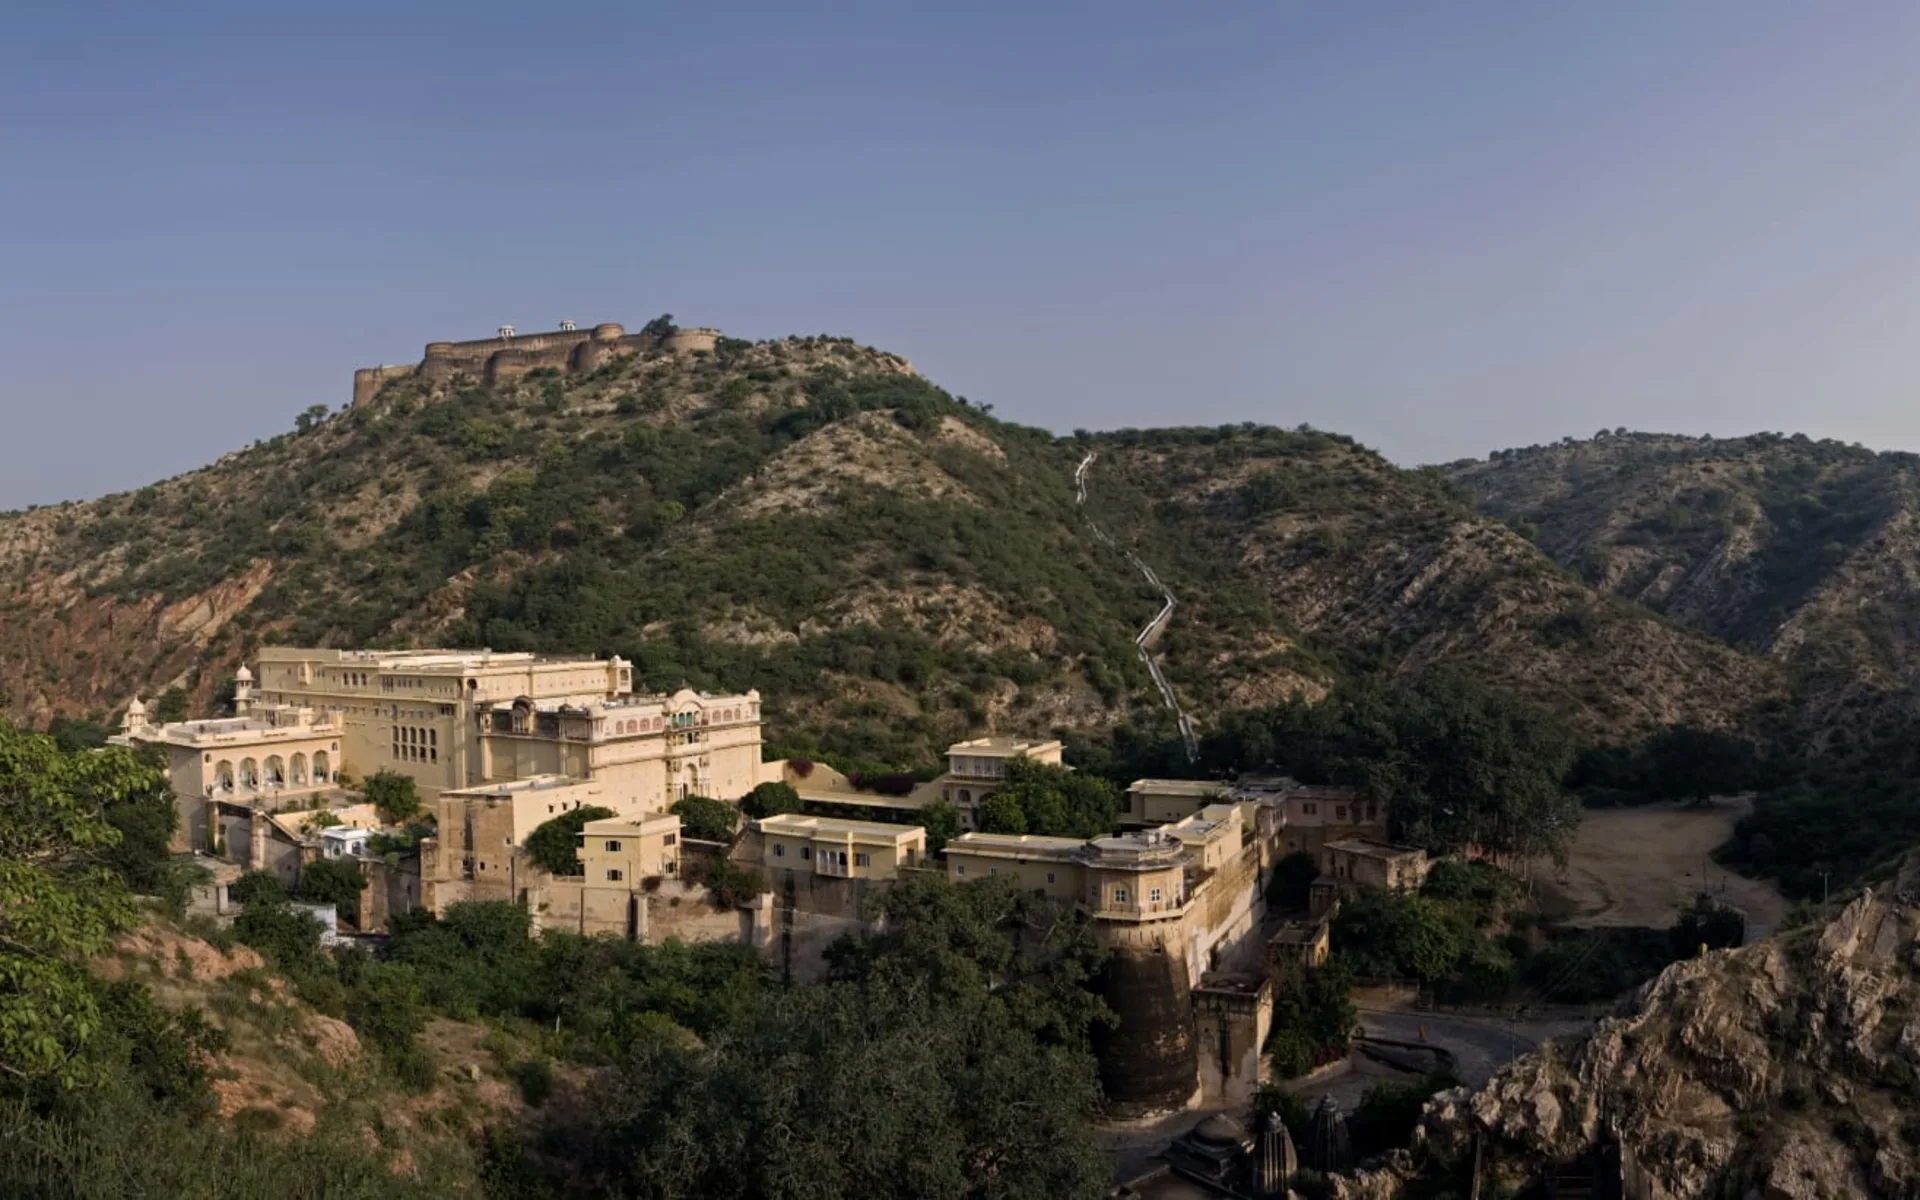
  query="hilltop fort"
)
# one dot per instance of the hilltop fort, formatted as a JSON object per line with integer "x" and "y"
{"x": 508, "y": 354}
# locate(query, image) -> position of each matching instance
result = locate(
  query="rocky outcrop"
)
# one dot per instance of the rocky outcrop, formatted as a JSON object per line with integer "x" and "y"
{"x": 1784, "y": 1070}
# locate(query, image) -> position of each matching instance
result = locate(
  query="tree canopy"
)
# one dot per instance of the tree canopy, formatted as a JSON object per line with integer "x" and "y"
{"x": 395, "y": 795}
{"x": 770, "y": 800}
{"x": 1458, "y": 763}
{"x": 705, "y": 819}
{"x": 555, "y": 845}
{"x": 61, "y": 901}
{"x": 1050, "y": 800}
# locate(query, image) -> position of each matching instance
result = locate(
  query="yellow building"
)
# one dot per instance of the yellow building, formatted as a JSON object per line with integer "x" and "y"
{"x": 656, "y": 748}
{"x": 839, "y": 849}
{"x": 625, "y": 851}
{"x": 976, "y": 768}
{"x": 276, "y": 757}
{"x": 1048, "y": 865}
{"x": 479, "y": 850}
{"x": 417, "y": 711}
{"x": 1211, "y": 837}
{"x": 1154, "y": 802}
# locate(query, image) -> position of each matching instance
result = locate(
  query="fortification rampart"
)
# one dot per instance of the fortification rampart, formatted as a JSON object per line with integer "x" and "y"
{"x": 492, "y": 360}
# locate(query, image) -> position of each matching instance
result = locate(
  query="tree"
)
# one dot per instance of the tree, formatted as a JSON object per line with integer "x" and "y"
{"x": 1458, "y": 763}
{"x": 395, "y": 795}
{"x": 555, "y": 845}
{"x": 59, "y": 907}
{"x": 705, "y": 819}
{"x": 288, "y": 938}
{"x": 335, "y": 881}
{"x": 942, "y": 824}
{"x": 1387, "y": 934}
{"x": 660, "y": 326}
{"x": 311, "y": 418}
{"x": 258, "y": 887}
{"x": 1313, "y": 1016}
{"x": 770, "y": 799}
{"x": 1054, "y": 801}
{"x": 1001, "y": 813}
{"x": 956, "y": 1042}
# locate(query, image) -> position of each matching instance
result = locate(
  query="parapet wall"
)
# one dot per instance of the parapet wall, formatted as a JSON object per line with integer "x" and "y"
{"x": 492, "y": 360}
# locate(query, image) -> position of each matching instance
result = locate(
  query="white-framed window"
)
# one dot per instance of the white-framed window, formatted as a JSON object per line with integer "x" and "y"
{"x": 1119, "y": 895}
{"x": 613, "y": 847}
{"x": 615, "y": 876}
{"x": 862, "y": 860}
{"x": 1154, "y": 895}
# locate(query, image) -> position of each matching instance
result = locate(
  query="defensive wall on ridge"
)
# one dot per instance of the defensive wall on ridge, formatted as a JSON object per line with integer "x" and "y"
{"x": 508, "y": 356}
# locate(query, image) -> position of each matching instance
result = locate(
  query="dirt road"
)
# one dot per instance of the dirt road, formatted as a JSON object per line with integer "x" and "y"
{"x": 1638, "y": 866}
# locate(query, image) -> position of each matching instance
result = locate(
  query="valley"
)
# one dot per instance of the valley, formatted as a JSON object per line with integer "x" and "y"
{"x": 703, "y": 652}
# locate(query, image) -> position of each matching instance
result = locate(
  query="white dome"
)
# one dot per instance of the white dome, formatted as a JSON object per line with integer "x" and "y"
{"x": 243, "y": 675}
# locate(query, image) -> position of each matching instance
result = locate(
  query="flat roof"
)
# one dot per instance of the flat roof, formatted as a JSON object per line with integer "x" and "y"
{"x": 801, "y": 825}
{"x": 637, "y": 824}
{"x": 427, "y": 660}
{"x": 1181, "y": 787}
{"x": 1015, "y": 845}
{"x": 1003, "y": 746}
{"x": 1300, "y": 933}
{"x": 514, "y": 787}
{"x": 1373, "y": 849}
{"x": 859, "y": 799}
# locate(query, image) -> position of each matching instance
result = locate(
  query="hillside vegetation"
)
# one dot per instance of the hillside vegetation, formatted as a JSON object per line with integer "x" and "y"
{"x": 1804, "y": 552}
{"x": 892, "y": 566}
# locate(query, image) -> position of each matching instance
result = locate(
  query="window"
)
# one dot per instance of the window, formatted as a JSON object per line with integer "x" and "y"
{"x": 616, "y": 876}
{"x": 671, "y": 839}
{"x": 779, "y": 851}
{"x": 1154, "y": 895}
{"x": 862, "y": 860}
{"x": 1340, "y": 813}
{"x": 613, "y": 847}
{"x": 1049, "y": 876}
{"x": 1119, "y": 895}
{"x": 993, "y": 870}
{"x": 959, "y": 868}
{"x": 806, "y": 852}
{"x": 1309, "y": 809}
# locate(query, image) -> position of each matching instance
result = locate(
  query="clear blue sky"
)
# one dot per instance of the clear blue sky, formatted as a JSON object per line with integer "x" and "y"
{"x": 1442, "y": 228}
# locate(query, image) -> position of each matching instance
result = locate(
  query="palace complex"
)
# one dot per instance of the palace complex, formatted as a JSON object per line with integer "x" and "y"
{"x": 499, "y": 745}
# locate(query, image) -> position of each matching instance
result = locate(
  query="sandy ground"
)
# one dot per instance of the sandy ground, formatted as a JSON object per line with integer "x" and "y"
{"x": 1638, "y": 866}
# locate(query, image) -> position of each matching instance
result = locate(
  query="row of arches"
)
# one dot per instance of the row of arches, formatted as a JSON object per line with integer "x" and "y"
{"x": 252, "y": 775}
{"x": 658, "y": 724}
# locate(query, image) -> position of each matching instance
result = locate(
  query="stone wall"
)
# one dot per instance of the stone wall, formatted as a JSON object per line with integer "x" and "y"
{"x": 494, "y": 359}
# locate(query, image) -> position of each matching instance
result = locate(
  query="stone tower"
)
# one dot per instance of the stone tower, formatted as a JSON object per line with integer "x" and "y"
{"x": 1328, "y": 1148}
{"x": 1274, "y": 1161}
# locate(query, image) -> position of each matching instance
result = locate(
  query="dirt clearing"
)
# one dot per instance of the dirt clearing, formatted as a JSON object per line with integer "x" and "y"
{"x": 1638, "y": 866}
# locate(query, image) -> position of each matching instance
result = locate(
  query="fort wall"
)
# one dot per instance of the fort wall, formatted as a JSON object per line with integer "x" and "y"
{"x": 496, "y": 359}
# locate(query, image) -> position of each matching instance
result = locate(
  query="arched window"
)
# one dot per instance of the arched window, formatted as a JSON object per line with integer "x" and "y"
{"x": 249, "y": 775}
{"x": 298, "y": 769}
{"x": 276, "y": 772}
{"x": 223, "y": 776}
{"x": 320, "y": 774}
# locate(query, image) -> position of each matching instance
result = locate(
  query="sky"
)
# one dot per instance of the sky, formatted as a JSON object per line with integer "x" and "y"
{"x": 1440, "y": 228}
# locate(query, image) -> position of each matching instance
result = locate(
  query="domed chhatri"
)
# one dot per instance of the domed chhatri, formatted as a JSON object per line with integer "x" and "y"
{"x": 1222, "y": 1130}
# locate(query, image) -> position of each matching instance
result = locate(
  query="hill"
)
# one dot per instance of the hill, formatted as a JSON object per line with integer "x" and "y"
{"x": 1804, "y": 552}
{"x": 892, "y": 566}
